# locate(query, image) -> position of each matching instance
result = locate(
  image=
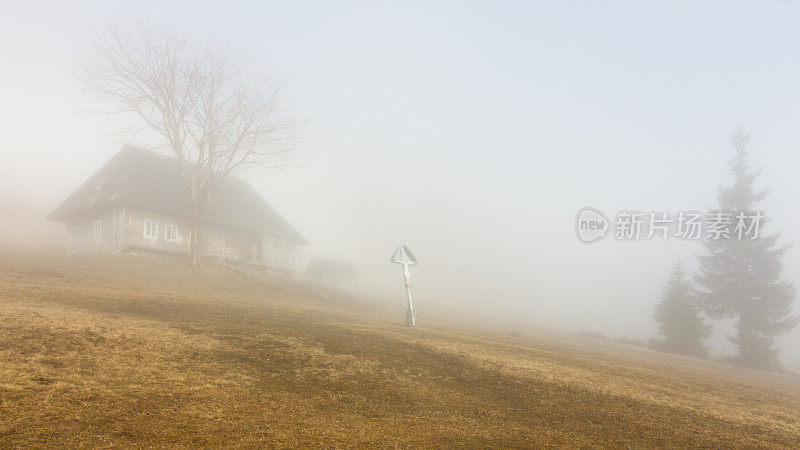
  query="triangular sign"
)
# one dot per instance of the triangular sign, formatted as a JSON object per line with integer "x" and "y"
{"x": 404, "y": 256}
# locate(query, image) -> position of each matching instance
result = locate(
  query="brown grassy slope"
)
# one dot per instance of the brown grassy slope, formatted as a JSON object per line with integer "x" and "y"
{"x": 120, "y": 351}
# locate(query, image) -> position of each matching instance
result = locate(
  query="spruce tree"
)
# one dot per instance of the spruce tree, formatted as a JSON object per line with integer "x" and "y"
{"x": 741, "y": 278}
{"x": 677, "y": 314}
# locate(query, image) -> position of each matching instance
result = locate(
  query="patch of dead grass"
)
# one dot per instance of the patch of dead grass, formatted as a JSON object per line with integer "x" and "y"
{"x": 125, "y": 351}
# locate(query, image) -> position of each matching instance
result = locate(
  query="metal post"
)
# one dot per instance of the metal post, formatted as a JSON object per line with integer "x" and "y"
{"x": 404, "y": 256}
{"x": 411, "y": 318}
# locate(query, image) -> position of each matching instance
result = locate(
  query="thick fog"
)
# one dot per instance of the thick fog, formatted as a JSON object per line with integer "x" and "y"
{"x": 473, "y": 133}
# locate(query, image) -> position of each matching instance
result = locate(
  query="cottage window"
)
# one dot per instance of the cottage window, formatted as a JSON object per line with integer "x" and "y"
{"x": 98, "y": 229}
{"x": 151, "y": 229}
{"x": 170, "y": 232}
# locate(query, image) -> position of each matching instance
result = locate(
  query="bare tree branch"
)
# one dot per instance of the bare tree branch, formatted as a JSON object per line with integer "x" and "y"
{"x": 199, "y": 99}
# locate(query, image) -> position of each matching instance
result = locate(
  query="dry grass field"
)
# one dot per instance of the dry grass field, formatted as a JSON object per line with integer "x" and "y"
{"x": 127, "y": 351}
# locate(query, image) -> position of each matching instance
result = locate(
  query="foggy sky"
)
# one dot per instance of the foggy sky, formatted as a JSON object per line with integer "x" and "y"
{"x": 471, "y": 132}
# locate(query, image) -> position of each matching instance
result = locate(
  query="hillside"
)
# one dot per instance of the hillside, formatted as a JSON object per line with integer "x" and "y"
{"x": 119, "y": 350}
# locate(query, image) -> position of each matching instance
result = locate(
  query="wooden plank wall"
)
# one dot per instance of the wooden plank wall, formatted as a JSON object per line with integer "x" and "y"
{"x": 123, "y": 229}
{"x": 134, "y": 231}
{"x": 81, "y": 237}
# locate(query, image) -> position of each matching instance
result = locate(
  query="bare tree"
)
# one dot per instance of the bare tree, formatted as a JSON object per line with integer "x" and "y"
{"x": 201, "y": 99}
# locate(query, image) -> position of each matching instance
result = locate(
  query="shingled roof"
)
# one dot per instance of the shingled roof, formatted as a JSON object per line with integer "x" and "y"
{"x": 152, "y": 181}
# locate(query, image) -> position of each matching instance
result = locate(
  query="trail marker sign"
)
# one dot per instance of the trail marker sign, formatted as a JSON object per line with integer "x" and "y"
{"x": 404, "y": 256}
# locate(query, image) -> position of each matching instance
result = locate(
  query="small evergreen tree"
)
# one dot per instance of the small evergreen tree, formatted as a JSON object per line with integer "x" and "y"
{"x": 741, "y": 278}
{"x": 677, "y": 314}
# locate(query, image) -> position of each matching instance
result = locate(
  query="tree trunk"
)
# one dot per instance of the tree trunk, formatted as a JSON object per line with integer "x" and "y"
{"x": 195, "y": 238}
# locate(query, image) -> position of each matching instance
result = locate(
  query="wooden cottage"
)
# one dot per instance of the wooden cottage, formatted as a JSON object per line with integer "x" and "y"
{"x": 137, "y": 201}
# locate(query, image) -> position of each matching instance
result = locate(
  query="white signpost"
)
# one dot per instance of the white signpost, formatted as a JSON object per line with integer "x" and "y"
{"x": 404, "y": 256}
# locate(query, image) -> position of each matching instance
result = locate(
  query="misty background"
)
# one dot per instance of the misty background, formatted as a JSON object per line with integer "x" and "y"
{"x": 471, "y": 132}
